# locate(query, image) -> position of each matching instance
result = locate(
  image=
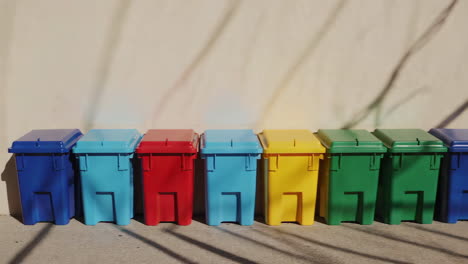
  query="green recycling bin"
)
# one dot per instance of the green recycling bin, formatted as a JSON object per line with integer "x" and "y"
{"x": 409, "y": 175}
{"x": 349, "y": 176}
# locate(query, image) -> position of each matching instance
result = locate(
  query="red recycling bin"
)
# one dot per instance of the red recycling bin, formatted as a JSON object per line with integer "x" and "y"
{"x": 167, "y": 159}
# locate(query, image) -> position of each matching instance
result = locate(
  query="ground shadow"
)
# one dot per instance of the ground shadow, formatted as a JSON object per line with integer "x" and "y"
{"x": 210, "y": 248}
{"x": 9, "y": 176}
{"x": 156, "y": 245}
{"x": 440, "y": 233}
{"x": 21, "y": 255}
{"x": 305, "y": 241}
{"x": 385, "y": 235}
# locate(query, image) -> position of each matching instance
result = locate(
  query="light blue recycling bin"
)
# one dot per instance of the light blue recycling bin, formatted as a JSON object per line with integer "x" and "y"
{"x": 230, "y": 175}
{"x": 105, "y": 163}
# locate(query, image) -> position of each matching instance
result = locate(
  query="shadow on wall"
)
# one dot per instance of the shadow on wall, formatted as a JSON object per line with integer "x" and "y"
{"x": 13, "y": 195}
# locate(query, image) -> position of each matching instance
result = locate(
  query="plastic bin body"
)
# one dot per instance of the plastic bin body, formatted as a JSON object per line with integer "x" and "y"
{"x": 291, "y": 171}
{"x": 107, "y": 174}
{"x": 349, "y": 175}
{"x": 452, "y": 200}
{"x": 46, "y": 175}
{"x": 409, "y": 175}
{"x": 230, "y": 175}
{"x": 167, "y": 158}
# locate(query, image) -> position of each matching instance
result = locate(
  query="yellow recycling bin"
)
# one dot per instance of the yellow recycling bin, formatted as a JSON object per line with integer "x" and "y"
{"x": 291, "y": 163}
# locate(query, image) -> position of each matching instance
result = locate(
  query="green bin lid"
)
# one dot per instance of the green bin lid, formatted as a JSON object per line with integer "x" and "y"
{"x": 350, "y": 141}
{"x": 409, "y": 140}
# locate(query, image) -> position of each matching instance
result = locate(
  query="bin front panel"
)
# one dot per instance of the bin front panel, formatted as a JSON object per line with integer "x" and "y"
{"x": 348, "y": 187}
{"x": 107, "y": 188}
{"x": 458, "y": 188}
{"x": 291, "y": 188}
{"x": 408, "y": 186}
{"x": 168, "y": 187}
{"x": 47, "y": 191}
{"x": 230, "y": 188}
{"x": 452, "y": 198}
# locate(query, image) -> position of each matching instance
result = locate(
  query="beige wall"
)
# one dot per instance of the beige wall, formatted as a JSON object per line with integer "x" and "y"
{"x": 223, "y": 64}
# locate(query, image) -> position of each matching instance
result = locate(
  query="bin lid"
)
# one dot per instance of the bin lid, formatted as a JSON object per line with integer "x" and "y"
{"x": 409, "y": 140}
{"x": 455, "y": 139}
{"x": 350, "y": 141}
{"x": 290, "y": 141}
{"x": 108, "y": 141}
{"x": 169, "y": 141}
{"x": 46, "y": 141}
{"x": 227, "y": 141}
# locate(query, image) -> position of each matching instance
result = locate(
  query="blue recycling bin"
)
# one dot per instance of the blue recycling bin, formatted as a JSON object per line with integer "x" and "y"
{"x": 106, "y": 170}
{"x": 46, "y": 175}
{"x": 231, "y": 170}
{"x": 452, "y": 198}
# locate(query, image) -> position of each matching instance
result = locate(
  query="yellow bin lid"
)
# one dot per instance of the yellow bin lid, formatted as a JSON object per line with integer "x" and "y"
{"x": 290, "y": 141}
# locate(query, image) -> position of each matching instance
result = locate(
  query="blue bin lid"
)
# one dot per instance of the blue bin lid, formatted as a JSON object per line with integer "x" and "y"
{"x": 46, "y": 141}
{"x": 108, "y": 141}
{"x": 230, "y": 141}
{"x": 455, "y": 139}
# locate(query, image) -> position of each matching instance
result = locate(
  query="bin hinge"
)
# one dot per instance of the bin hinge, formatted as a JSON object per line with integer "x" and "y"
{"x": 434, "y": 162}
{"x": 250, "y": 162}
{"x": 186, "y": 162}
{"x": 313, "y": 163}
{"x": 397, "y": 161}
{"x": 336, "y": 162}
{"x": 83, "y": 161}
{"x": 57, "y": 162}
{"x": 147, "y": 162}
{"x": 455, "y": 160}
{"x": 20, "y": 162}
{"x": 273, "y": 162}
{"x": 374, "y": 162}
{"x": 211, "y": 162}
{"x": 123, "y": 162}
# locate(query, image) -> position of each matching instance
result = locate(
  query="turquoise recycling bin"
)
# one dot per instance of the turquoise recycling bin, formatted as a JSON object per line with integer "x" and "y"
{"x": 105, "y": 163}
{"x": 231, "y": 172}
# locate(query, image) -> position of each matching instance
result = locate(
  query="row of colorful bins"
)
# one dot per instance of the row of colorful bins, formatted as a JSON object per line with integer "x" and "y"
{"x": 391, "y": 173}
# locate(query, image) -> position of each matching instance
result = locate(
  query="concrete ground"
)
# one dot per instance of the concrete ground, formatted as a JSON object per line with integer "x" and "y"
{"x": 199, "y": 243}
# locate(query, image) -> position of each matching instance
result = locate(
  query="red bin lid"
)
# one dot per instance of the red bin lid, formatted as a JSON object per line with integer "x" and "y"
{"x": 169, "y": 141}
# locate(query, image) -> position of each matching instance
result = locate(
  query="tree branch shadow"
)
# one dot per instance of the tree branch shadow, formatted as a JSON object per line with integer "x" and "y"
{"x": 330, "y": 246}
{"x": 21, "y": 255}
{"x": 454, "y": 115}
{"x": 199, "y": 58}
{"x": 111, "y": 44}
{"x": 156, "y": 245}
{"x": 210, "y": 248}
{"x": 420, "y": 42}
{"x": 301, "y": 59}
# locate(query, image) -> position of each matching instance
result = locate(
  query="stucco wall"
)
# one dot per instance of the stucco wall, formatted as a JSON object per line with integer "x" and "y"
{"x": 224, "y": 64}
